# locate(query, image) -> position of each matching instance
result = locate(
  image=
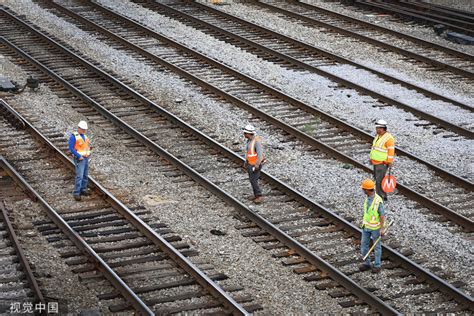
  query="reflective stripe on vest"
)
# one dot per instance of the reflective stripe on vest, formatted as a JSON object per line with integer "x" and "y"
{"x": 82, "y": 147}
{"x": 379, "y": 151}
{"x": 251, "y": 155}
{"x": 371, "y": 213}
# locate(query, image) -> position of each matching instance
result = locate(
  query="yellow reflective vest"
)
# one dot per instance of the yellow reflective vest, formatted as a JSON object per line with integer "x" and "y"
{"x": 371, "y": 213}
{"x": 383, "y": 149}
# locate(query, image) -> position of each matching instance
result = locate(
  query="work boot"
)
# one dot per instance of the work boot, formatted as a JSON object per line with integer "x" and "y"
{"x": 376, "y": 270}
{"x": 77, "y": 197}
{"x": 258, "y": 200}
{"x": 364, "y": 267}
{"x": 251, "y": 198}
{"x": 86, "y": 192}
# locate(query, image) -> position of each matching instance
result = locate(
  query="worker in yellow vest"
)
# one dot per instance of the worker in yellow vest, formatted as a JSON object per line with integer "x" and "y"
{"x": 372, "y": 226}
{"x": 254, "y": 161}
{"x": 382, "y": 155}
{"x": 80, "y": 148}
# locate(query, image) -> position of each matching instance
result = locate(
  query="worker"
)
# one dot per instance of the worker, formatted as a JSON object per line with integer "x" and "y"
{"x": 372, "y": 226}
{"x": 254, "y": 161}
{"x": 382, "y": 155}
{"x": 80, "y": 147}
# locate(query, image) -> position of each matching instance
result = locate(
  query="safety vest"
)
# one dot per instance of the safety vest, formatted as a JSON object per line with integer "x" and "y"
{"x": 371, "y": 213}
{"x": 379, "y": 150}
{"x": 252, "y": 156}
{"x": 81, "y": 146}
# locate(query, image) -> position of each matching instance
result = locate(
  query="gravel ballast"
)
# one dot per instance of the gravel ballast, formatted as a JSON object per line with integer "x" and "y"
{"x": 293, "y": 165}
{"x": 56, "y": 281}
{"x": 315, "y": 91}
{"x": 191, "y": 212}
{"x": 417, "y": 30}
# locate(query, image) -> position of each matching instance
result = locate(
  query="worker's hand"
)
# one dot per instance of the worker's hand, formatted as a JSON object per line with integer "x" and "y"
{"x": 80, "y": 158}
{"x": 390, "y": 164}
{"x": 382, "y": 231}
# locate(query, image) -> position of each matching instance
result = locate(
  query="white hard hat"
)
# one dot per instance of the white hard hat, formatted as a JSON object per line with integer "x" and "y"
{"x": 249, "y": 129}
{"x": 381, "y": 123}
{"x": 82, "y": 125}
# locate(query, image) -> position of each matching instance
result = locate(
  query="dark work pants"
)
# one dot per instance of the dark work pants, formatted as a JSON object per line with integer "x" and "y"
{"x": 379, "y": 173}
{"x": 254, "y": 176}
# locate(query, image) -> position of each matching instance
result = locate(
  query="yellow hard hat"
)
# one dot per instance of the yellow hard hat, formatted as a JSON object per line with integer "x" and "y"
{"x": 368, "y": 184}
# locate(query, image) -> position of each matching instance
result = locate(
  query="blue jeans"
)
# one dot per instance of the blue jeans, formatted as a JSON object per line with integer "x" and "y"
{"x": 364, "y": 246}
{"x": 82, "y": 173}
{"x": 254, "y": 176}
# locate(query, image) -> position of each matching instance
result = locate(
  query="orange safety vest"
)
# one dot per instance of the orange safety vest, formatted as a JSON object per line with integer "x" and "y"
{"x": 252, "y": 156}
{"x": 383, "y": 149}
{"x": 82, "y": 147}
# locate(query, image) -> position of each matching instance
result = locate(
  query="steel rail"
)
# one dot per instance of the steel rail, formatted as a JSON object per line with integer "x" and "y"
{"x": 429, "y": 9}
{"x": 183, "y": 262}
{"x": 299, "y": 104}
{"x": 17, "y": 246}
{"x": 412, "y": 15}
{"x": 426, "y": 92}
{"x": 461, "y": 220}
{"x": 110, "y": 275}
{"x": 388, "y": 100}
{"x": 412, "y": 38}
{"x": 342, "y": 279}
{"x": 459, "y": 296}
{"x": 444, "y": 286}
{"x": 433, "y": 12}
{"x": 382, "y": 44}
{"x": 451, "y": 9}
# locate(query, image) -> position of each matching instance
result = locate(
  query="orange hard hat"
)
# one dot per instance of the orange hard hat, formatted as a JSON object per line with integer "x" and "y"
{"x": 368, "y": 184}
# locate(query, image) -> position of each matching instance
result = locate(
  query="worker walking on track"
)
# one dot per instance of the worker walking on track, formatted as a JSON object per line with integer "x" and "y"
{"x": 80, "y": 147}
{"x": 372, "y": 227}
{"x": 254, "y": 160}
{"x": 382, "y": 154}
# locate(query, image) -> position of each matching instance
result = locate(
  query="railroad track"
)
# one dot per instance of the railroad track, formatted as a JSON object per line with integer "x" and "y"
{"x": 451, "y": 9}
{"x": 291, "y": 53}
{"x": 455, "y": 20}
{"x": 17, "y": 281}
{"x": 291, "y": 220}
{"x": 313, "y": 127}
{"x": 425, "y": 54}
{"x": 140, "y": 261}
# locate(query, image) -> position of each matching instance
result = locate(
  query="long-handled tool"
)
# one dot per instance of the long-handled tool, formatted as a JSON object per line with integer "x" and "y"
{"x": 378, "y": 239}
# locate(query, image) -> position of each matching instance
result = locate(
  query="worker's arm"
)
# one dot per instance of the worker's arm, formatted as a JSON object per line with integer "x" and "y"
{"x": 381, "y": 211}
{"x": 72, "y": 142}
{"x": 259, "y": 150}
{"x": 390, "y": 144}
{"x": 382, "y": 221}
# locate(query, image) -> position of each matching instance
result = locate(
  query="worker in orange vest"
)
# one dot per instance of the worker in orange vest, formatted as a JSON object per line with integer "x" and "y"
{"x": 80, "y": 147}
{"x": 382, "y": 154}
{"x": 254, "y": 161}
